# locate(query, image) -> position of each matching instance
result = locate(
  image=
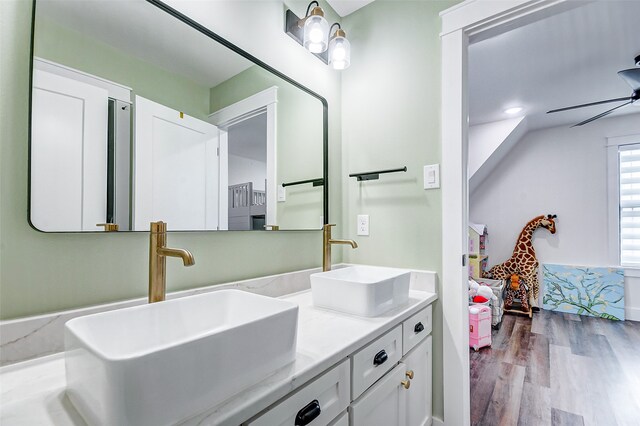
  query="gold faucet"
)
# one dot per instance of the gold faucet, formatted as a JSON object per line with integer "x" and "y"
{"x": 327, "y": 241}
{"x": 157, "y": 261}
{"x": 109, "y": 227}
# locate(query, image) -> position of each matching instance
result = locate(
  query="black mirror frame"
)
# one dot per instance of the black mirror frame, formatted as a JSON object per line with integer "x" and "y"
{"x": 212, "y": 35}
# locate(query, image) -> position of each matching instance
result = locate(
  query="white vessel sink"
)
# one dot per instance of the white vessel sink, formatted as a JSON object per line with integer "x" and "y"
{"x": 158, "y": 364}
{"x": 366, "y": 291}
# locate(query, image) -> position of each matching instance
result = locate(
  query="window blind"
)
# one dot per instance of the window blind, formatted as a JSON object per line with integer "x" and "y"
{"x": 629, "y": 162}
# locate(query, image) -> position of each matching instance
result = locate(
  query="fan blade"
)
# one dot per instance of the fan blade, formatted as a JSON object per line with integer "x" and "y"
{"x": 601, "y": 115}
{"x": 589, "y": 104}
{"x": 632, "y": 77}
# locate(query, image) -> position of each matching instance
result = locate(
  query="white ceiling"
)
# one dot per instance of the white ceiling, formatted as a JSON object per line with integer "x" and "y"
{"x": 567, "y": 59}
{"x": 346, "y": 7}
{"x": 142, "y": 30}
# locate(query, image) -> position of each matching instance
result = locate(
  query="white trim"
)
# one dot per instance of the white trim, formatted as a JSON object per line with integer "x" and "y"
{"x": 265, "y": 100}
{"x": 618, "y": 141}
{"x": 228, "y": 115}
{"x": 613, "y": 203}
{"x": 116, "y": 91}
{"x": 223, "y": 180}
{"x": 631, "y": 272}
{"x": 436, "y": 421}
{"x": 613, "y": 194}
{"x": 454, "y": 231}
{"x": 632, "y": 314}
{"x": 478, "y": 19}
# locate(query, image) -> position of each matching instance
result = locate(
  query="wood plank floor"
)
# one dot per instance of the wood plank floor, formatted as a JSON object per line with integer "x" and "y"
{"x": 558, "y": 369}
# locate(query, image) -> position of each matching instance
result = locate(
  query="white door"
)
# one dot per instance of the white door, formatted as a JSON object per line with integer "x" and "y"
{"x": 68, "y": 154}
{"x": 419, "y": 394}
{"x": 176, "y": 169}
{"x": 384, "y": 404}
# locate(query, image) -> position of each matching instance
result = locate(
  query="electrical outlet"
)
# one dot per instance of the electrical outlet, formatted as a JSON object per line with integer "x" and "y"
{"x": 363, "y": 224}
{"x": 282, "y": 194}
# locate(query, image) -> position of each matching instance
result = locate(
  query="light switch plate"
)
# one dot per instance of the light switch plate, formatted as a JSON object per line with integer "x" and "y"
{"x": 363, "y": 224}
{"x": 432, "y": 176}
{"x": 282, "y": 194}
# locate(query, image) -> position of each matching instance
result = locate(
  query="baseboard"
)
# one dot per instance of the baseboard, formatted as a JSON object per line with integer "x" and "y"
{"x": 437, "y": 421}
{"x": 632, "y": 314}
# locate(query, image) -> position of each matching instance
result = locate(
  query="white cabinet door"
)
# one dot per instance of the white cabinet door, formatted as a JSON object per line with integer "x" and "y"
{"x": 176, "y": 169}
{"x": 384, "y": 404}
{"x": 418, "y": 361}
{"x": 68, "y": 154}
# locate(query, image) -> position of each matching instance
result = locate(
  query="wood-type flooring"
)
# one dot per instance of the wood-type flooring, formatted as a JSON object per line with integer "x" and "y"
{"x": 558, "y": 369}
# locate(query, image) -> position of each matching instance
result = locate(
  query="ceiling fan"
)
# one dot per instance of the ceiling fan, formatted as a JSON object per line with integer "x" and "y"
{"x": 631, "y": 76}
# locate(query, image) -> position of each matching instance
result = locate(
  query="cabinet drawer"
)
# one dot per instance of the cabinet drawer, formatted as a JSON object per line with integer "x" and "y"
{"x": 321, "y": 401}
{"x": 416, "y": 329}
{"x": 375, "y": 359}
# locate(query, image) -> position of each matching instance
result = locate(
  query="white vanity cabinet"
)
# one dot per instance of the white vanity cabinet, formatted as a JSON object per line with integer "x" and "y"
{"x": 418, "y": 366}
{"x": 402, "y": 397}
{"x": 386, "y": 382}
{"x": 316, "y": 404}
{"x": 384, "y": 404}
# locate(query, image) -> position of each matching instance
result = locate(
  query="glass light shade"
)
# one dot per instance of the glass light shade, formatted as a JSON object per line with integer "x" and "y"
{"x": 339, "y": 53}
{"x": 316, "y": 34}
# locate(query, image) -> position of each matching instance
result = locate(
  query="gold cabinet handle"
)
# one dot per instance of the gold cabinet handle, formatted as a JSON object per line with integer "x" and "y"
{"x": 409, "y": 374}
{"x": 406, "y": 384}
{"x": 109, "y": 227}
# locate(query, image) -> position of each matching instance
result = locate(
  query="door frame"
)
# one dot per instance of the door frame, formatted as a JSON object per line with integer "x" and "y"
{"x": 259, "y": 103}
{"x": 465, "y": 23}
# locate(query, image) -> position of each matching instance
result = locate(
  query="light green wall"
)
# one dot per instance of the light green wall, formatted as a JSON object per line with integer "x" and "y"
{"x": 75, "y": 50}
{"x": 298, "y": 145}
{"x": 391, "y": 118}
{"x": 48, "y": 272}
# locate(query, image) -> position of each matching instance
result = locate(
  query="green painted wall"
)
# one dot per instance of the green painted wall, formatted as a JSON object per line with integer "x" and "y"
{"x": 299, "y": 142}
{"x": 70, "y": 48}
{"x": 391, "y": 118}
{"x": 48, "y": 272}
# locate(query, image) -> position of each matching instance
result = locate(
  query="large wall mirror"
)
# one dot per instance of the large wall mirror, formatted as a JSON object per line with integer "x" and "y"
{"x": 139, "y": 114}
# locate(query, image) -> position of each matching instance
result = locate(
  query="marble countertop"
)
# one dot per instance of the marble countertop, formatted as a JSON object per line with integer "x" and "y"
{"x": 33, "y": 392}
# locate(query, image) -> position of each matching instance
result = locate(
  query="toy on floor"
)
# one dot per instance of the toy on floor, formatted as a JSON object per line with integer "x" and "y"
{"x": 479, "y": 326}
{"x": 523, "y": 261}
{"x": 480, "y": 293}
{"x": 516, "y": 288}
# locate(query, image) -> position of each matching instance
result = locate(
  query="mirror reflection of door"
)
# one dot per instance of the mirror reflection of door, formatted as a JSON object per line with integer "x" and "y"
{"x": 176, "y": 169}
{"x": 247, "y": 173}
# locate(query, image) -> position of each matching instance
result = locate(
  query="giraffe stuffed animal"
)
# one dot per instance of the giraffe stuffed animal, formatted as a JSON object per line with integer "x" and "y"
{"x": 523, "y": 261}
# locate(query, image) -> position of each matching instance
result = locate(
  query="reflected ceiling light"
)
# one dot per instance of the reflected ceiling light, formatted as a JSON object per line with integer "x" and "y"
{"x": 339, "y": 49}
{"x": 513, "y": 110}
{"x": 313, "y": 33}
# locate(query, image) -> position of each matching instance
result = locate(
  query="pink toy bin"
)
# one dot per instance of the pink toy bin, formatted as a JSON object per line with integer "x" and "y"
{"x": 479, "y": 326}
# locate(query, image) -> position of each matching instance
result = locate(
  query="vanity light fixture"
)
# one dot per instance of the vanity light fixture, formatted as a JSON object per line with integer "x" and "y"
{"x": 313, "y": 33}
{"x": 339, "y": 49}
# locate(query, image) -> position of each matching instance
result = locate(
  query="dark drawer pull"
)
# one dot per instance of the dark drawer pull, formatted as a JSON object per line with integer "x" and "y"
{"x": 380, "y": 357}
{"x": 308, "y": 413}
{"x": 418, "y": 328}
